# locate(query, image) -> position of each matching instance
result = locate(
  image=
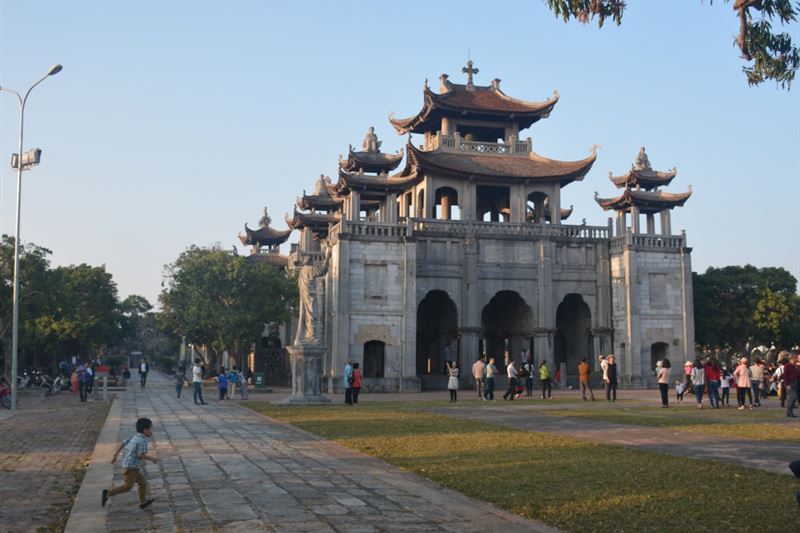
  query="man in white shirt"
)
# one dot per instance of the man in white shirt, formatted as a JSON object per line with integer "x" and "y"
{"x": 479, "y": 375}
{"x": 144, "y": 368}
{"x": 197, "y": 382}
{"x": 511, "y": 372}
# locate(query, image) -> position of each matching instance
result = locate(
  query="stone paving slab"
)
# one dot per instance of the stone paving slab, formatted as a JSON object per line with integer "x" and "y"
{"x": 773, "y": 456}
{"x": 225, "y": 467}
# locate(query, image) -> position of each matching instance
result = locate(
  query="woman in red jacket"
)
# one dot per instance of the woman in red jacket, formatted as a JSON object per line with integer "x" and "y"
{"x": 356, "y": 382}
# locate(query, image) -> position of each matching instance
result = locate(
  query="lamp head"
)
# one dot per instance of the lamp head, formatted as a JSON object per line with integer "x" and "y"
{"x": 55, "y": 69}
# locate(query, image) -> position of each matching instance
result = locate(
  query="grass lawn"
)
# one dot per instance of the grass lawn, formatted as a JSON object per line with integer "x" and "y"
{"x": 756, "y": 424}
{"x": 574, "y": 485}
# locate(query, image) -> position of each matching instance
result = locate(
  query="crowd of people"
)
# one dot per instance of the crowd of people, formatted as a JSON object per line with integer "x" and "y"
{"x": 753, "y": 381}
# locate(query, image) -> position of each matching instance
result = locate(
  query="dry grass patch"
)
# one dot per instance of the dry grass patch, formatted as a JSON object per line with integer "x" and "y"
{"x": 571, "y": 484}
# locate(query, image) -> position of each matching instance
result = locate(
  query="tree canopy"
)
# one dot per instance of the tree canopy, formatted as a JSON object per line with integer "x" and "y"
{"x": 735, "y": 305}
{"x": 770, "y": 55}
{"x": 224, "y": 301}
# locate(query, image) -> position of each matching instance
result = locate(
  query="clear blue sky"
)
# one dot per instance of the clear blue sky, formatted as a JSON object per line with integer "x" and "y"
{"x": 173, "y": 123}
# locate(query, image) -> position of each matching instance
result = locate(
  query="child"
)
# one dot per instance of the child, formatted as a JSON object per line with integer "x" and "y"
{"x": 222, "y": 382}
{"x": 725, "y": 384}
{"x": 680, "y": 388}
{"x": 135, "y": 451}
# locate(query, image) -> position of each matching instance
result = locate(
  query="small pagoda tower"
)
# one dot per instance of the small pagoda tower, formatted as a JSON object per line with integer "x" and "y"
{"x": 651, "y": 275}
{"x": 642, "y": 194}
{"x": 266, "y": 242}
{"x": 318, "y": 211}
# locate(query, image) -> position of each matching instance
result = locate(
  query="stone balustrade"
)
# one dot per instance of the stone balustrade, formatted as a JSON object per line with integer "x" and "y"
{"x": 455, "y": 143}
{"x": 491, "y": 229}
{"x": 663, "y": 242}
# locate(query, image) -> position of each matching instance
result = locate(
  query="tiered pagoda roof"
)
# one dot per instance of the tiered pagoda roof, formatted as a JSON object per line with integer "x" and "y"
{"x": 264, "y": 235}
{"x": 471, "y": 101}
{"x": 316, "y": 221}
{"x": 527, "y": 166}
{"x": 324, "y": 197}
{"x": 641, "y": 175}
{"x": 641, "y": 189}
{"x": 381, "y": 184}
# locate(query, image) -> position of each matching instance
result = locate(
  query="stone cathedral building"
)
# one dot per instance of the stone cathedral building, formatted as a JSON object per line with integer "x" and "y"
{"x": 466, "y": 249}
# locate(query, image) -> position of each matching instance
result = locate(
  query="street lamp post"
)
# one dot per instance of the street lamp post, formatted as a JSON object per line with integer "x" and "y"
{"x": 15, "y": 305}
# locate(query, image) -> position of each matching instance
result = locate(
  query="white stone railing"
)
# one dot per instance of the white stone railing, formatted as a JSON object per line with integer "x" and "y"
{"x": 375, "y": 229}
{"x": 456, "y": 143}
{"x": 489, "y": 229}
{"x": 666, "y": 242}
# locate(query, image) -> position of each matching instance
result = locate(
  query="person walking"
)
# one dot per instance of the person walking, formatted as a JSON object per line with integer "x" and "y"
{"x": 242, "y": 379}
{"x": 698, "y": 381}
{"x": 135, "y": 451}
{"x": 663, "y": 381}
{"x": 222, "y": 384}
{"x": 742, "y": 377}
{"x": 791, "y": 381}
{"x": 144, "y": 368}
{"x": 348, "y": 383}
{"x": 452, "y": 382}
{"x": 233, "y": 378}
{"x": 357, "y": 379}
{"x": 82, "y": 381}
{"x": 479, "y": 376}
{"x": 178, "y": 383}
{"x": 89, "y": 378}
{"x": 756, "y": 377}
{"x": 491, "y": 372}
{"x": 712, "y": 374}
{"x": 611, "y": 378}
{"x": 197, "y": 382}
{"x": 528, "y": 367}
{"x": 512, "y": 373}
{"x": 583, "y": 376}
{"x": 544, "y": 377}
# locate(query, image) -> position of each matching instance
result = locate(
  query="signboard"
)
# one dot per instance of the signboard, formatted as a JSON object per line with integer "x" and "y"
{"x": 101, "y": 371}
{"x": 258, "y": 379}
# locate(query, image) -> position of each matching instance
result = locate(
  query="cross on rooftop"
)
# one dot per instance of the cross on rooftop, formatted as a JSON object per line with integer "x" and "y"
{"x": 469, "y": 71}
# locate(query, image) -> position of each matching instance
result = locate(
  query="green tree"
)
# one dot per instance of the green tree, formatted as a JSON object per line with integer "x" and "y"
{"x": 725, "y": 302}
{"x": 773, "y": 315}
{"x": 770, "y": 55}
{"x": 224, "y": 301}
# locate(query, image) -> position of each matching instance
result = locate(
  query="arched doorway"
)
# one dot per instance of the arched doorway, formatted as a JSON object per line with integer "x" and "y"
{"x": 658, "y": 351}
{"x": 374, "y": 359}
{"x": 508, "y": 325}
{"x": 446, "y": 201}
{"x": 573, "y": 338}
{"x": 437, "y": 333}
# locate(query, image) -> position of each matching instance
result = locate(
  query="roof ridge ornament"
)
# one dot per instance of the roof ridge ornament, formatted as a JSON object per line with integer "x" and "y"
{"x": 265, "y": 220}
{"x": 444, "y": 85}
{"x": 469, "y": 70}
{"x": 496, "y": 84}
{"x": 642, "y": 161}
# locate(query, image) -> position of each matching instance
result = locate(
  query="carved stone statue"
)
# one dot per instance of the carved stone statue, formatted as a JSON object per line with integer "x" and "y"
{"x": 371, "y": 142}
{"x": 642, "y": 162}
{"x": 264, "y": 221}
{"x": 308, "y": 324}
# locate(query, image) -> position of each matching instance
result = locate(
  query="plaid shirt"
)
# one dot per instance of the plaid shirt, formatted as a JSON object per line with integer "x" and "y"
{"x": 134, "y": 447}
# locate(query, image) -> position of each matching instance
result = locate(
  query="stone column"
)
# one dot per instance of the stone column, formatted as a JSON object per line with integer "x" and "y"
{"x": 517, "y": 204}
{"x": 306, "y": 374}
{"x": 634, "y": 220}
{"x": 687, "y": 300}
{"x": 445, "y": 206}
{"x": 621, "y": 223}
{"x": 447, "y": 128}
{"x": 555, "y": 206}
{"x": 651, "y": 224}
{"x": 666, "y": 228}
{"x": 355, "y": 206}
{"x": 430, "y": 199}
{"x": 390, "y": 209}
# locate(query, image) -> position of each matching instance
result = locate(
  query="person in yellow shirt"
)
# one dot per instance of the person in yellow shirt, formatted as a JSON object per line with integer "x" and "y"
{"x": 544, "y": 377}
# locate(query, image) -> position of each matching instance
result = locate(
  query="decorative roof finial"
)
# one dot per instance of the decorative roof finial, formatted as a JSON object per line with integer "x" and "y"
{"x": 265, "y": 221}
{"x": 469, "y": 71}
{"x": 371, "y": 142}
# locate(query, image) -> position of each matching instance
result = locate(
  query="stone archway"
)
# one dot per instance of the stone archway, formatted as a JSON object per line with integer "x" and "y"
{"x": 507, "y": 323}
{"x": 658, "y": 351}
{"x": 573, "y": 337}
{"x": 437, "y": 333}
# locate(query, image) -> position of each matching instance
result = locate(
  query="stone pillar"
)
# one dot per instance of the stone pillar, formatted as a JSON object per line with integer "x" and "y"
{"x": 621, "y": 223}
{"x": 403, "y": 207}
{"x": 306, "y": 364}
{"x": 430, "y": 199}
{"x": 355, "y": 205}
{"x": 494, "y": 215}
{"x": 305, "y": 239}
{"x": 687, "y": 300}
{"x": 666, "y": 228}
{"x": 445, "y": 206}
{"x": 390, "y": 209}
{"x": 555, "y": 206}
{"x": 651, "y": 224}
{"x": 447, "y": 128}
{"x": 517, "y": 204}
{"x": 634, "y": 220}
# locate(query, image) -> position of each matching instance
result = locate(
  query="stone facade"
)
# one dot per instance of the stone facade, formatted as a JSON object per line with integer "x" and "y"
{"x": 465, "y": 252}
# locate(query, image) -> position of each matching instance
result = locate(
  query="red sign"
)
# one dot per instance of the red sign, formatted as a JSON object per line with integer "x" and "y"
{"x": 101, "y": 371}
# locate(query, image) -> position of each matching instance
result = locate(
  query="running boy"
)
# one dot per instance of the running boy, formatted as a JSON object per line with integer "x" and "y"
{"x": 135, "y": 450}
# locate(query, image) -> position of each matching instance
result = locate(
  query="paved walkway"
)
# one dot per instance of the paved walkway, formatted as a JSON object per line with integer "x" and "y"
{"x": 773, "y": 456}
{"x": 43, "y": 448}
{"x": 226, "y": 467}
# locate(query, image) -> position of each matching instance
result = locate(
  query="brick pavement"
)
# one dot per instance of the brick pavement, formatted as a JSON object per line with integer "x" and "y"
{"x": 43, "y": 447}
{"x": 228, "y": 468}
